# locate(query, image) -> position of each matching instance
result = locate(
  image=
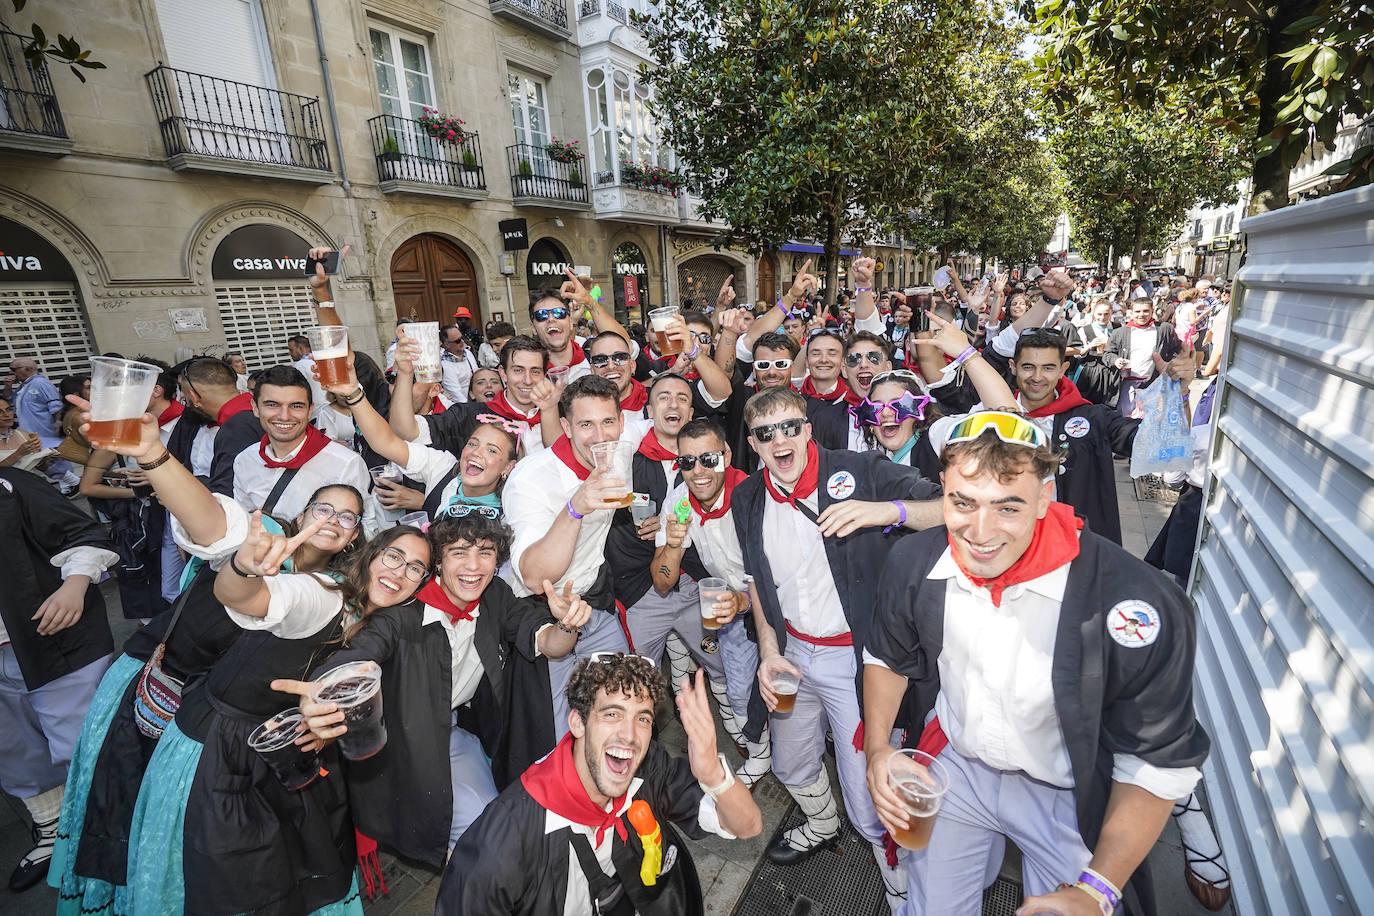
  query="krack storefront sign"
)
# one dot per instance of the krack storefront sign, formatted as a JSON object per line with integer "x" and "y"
{"x": 514, "y": 234}
{"x": 545, "y": 265}
{"x": 27, "y": 257}
{"x": 260, "y": 252}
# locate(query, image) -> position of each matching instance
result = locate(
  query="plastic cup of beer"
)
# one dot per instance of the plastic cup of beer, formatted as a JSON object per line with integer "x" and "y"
{"x": 785, "y": 684}
{"x": 356, "y": 688}
{"x": 275, "y": 741}
{"x": 329, "y": 350}
{"x": 643, "y": 509}
{"x": 426, "y": 334}
{"x": 615, "y": 457}
{"x": 709, "y": 591}
{"x": 659, "y": 319}
{"x": 120, "y": 391}
{"x": 921, "y": 782}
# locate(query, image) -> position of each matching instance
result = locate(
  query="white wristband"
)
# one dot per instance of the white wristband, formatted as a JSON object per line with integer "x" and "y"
{"x": 729, "y": 780}
{"x": 323, "y": 303}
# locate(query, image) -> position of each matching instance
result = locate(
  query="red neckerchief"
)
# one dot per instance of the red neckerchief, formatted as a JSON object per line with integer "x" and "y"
{"x": 670, "y": 361}
{"x": 808, "y": 389}
{"x": 433, "y": 594}
{"x": 437, "y": 406}
{"x": 805, "y": 486}
{"x": 173, "y": 411}
{"x": 235, "y": 405}
{"x": 315, "y": 441}
{"x": 503, "y": 408}
{"x": 851, "y": 397}
{"x": 654, "y": 450}
{"x": 554, "y": 783}
{"x": 733, "y": 477}
{"x": 637, "y": 398}
{"x": 577, "y": 355}
{"x": 1141, "y": 327}
{"x": 564, "y": 450}
{"x": 1054, "y": 543}
{"x": 1066, "y": 397}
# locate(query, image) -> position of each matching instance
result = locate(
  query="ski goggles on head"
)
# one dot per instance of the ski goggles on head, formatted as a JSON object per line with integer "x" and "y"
{"x": 868, "y": 413}
{"x": 1008, "y": 426}
{"x": 463, "y": 510}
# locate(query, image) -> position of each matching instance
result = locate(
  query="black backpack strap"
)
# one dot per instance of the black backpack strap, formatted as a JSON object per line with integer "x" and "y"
{"x": 608, "y": 894}
{"x": 270, "y": 504}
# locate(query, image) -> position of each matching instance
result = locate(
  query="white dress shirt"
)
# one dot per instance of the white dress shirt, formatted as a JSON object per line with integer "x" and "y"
{"x": 334, "y": 464}
{"x": 465, "y": 663}
{"x": 716, "y": 541}
{"x": 300, "y": 605}
{"x": 801, "y": 570}
{"x": 457, "y": 374}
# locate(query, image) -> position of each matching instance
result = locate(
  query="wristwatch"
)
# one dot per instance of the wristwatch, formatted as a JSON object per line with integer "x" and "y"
{"x": 729, "y": 780}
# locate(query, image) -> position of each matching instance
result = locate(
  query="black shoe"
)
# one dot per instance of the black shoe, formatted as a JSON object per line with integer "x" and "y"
{"x": 29, "y": 871}
{"x": 784, "y": 853}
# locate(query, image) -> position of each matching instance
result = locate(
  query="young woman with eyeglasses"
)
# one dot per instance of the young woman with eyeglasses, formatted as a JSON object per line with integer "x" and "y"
{"x": 91, "y": 859}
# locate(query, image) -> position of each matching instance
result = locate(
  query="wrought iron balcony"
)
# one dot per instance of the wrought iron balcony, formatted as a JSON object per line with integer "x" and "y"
{"x": 215, "y": 124}
{"x": 30, "y": 118}
{"x": 409, "y": 159}
{"x": 547, "y": 16}
{"x": 535, "y": 178}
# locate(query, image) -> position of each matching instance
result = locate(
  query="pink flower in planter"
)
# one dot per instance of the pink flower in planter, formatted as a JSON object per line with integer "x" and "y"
{"x": 452, "y": 134}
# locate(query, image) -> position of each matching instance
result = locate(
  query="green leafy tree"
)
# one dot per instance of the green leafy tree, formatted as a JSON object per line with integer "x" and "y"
{"x": 808, "y": 120}
{"x": 1276, "y": 74}
{"x": 1020, "y": 209}
{"x": 1131, "y": 176}
{"x": 65, "y": 50}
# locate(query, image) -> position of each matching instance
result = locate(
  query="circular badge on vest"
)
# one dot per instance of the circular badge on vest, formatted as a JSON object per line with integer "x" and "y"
{"x": 1133, "y": 624}
{"x": 840, "y": 485}
{"x": 710, "y": 645}
{"x": 1077, "y": 427}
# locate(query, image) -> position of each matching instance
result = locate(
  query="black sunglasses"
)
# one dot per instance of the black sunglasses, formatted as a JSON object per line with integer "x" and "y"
{"x": 853, "y": 359}
{"x": 545, "y": 314}
{"x": 709, "y": 460}
{"x": 790, "y": 428}
{"x": 602, "y": 360}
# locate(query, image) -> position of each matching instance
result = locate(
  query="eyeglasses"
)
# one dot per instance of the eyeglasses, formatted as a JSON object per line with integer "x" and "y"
{"x": 709, "y": 460}
{"x": 873, "y": 356}
{"x": 545, "y": 314}
{"x": 790, "y": 428}
{"x": 394, "y": 559}
{"x": 602, "y": 360}
{"x": 509, "y": 426}
{"x": 1008, "y": 426}
{"x": 347, "y": 519}
{"x": 462, "y": 510}
{"x": 766, "y": 364}
{"x": 703, "y": 337}
{"x": 610, "y": 658}
{"x": 869, "y": 413}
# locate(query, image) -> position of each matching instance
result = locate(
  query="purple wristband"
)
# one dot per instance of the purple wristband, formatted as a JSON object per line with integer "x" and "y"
{"x": 901, "y": 520}
{"x": 785, "y": 310}
{"x": 1100, "y": 884}
{"x": 573, "y": 512}
{"x": 963, "y": 357}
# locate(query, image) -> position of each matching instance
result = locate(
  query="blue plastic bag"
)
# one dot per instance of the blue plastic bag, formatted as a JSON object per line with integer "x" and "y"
{"x": 1164, "y": 442}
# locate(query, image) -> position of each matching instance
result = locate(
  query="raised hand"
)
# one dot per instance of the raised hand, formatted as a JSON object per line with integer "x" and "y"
{"x": 320, "y": 280}
{"x": 948, "y": 336}
{"x": 347, "y": 386}
{"x": 732, "y": 321}
{"x": 567, "y": 608}
{"x": 804, "y": 282}
{"x": 407, "y": 352}
{"x": 573, "y": 289}
{"x": 726, "y": 297}
{"x": 262, "y": 553}
{"x": 546, "y": 393}
{"x": 861, "y": 271}
{"x": 700, "y": 727}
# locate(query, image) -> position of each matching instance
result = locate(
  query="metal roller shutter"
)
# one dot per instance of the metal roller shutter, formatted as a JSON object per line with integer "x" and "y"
{"x": 258, "y": 319}
{"x": 47, "y": 323}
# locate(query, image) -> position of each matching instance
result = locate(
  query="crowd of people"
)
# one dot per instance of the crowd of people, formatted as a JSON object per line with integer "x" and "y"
{"x": 883, "y": 523}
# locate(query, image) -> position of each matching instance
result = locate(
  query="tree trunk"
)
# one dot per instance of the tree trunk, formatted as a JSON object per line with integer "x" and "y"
{"x": 832, "y": 258}
{"x": 1137, "y": 256}
{"x": 1270, "y": 175}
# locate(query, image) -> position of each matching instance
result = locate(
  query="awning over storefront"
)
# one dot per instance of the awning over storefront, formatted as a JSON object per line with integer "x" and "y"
{"x": 817, "y": 249}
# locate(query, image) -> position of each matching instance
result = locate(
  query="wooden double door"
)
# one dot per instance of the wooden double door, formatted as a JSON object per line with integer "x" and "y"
{"x": 431, "y": 278}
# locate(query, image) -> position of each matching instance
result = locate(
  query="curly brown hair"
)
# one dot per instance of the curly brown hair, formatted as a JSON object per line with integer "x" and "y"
{"x": 988, "y": 454}
{"x": 614, "y": 672}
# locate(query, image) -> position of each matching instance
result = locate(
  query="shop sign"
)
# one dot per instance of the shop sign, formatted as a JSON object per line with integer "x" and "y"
{"x": 27, "y": 257}
{"x": 545, "y": 264}
{"x": 260, "y": 252}
{"x": 514, "y": 234}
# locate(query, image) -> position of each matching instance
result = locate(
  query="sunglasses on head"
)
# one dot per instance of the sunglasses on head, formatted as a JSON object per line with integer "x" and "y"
{"x": 790, "y": 428}
{"x": 873, "y": 356}
{"x": 462, "y": 510}
{"x": 1008, "y": 426}
{"x": 602, "y": 360}
{"x": 610, "y": 658}
{"x": 545, "y": 314}
{"x": 869, "y": 413}
{"x": 709, "y": 460}
{"x": 766, "y": 364}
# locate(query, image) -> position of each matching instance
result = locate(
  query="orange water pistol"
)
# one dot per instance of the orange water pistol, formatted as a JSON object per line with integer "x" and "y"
{"x": 642, "y": 819}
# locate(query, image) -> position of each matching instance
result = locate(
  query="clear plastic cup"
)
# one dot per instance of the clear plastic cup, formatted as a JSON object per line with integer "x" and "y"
{"x": 785, "y": 685}
{"x": 659, "y": 319}
{"x": 329, "y": 350}
{"x": 643, "y": 509}
{"x": 616, "y": 457}
{"x": 275, "y": 740}
{"x": 356, "y": 688}
{"x": 921, "y": 782}
{"x": 709, "y": 591}
{"x": 415, "y": 519}
{"x": 426, "y": 334}
{"x": 120, "y": 391}
{"x": 387, "y": 472}
{"x": 556, "y": 374}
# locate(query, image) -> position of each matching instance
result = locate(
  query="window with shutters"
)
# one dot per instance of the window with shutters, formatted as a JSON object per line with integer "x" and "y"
{"x": 258, "y": 318}
{"x": 47, "y": 323}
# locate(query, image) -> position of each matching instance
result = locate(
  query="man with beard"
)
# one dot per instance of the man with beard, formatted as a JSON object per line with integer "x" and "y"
{"x": 564, "y": 840}
{"x": 553, "y": 314}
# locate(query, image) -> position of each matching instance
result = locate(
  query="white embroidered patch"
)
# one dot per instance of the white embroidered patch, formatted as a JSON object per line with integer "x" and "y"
{"x": 1077, "y": 427}
{"x": 1133, "y": 623}
{"x": 669, "y": 860}
{"x": 840, "y": 485}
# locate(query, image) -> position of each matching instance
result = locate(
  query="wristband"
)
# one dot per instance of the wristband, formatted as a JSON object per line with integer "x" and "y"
{"x": 901, "y": 509}
{"x": 576, "y": 631}
{"x": 729, "y": 780}
{"x": 166, "y": 457}
{"x": 573, "y": 512}
{"x": 355, "y": 398}
{"x": 234, "y": 565}
{"x": 1103, "y": 905}
{"x": 964, "y": 357}
{"x": 785, "y": 310}
{"x": 324, "y": 303}
{"x": 863, "y": 289}
{"x": 696, "y": 351}
{"x": 1099, "y": 882}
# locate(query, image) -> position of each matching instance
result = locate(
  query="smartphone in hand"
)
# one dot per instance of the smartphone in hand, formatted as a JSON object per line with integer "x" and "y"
{"x": 330, "y": 262}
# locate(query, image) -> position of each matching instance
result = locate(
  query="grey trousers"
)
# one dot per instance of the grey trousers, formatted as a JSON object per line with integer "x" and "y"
{"x": 654, "y": 616}
{"x": 473, "y": 787}
{"x": 40, "y": 727}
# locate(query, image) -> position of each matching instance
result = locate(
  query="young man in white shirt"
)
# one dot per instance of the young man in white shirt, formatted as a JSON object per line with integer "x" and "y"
{"x": 554, "y": 315}
{"x": 290, "y": 445}
{"x": 457, "y": 362}
{"x": 560, "y": 509}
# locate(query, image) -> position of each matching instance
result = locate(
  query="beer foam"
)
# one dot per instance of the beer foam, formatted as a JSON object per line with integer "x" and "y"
{"x": 339, "y": 352}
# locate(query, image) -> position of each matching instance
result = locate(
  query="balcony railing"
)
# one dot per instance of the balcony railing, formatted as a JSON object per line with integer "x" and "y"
{"x": 548, "y": 16}
{"x": 204, "y": 116}
{"x": 28, "y": 104}
{"x": 534, "y": 175}
{"x": 406, "y": 153}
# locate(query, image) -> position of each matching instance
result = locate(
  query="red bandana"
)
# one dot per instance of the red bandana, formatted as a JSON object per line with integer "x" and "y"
{"x": 805, "y": 486}
{"x": 1066, "y": 397}
{"x": 637, "y": 398}
{"x": 315, "y": 441}
{"x": 851, "y": 397}
{"x": 1141, "y": 327}
{"x": 173, "y": 411}
{"x": 808, "y": 389}
{"x": 503, "y": 408}
{"x": 437, "y": 406}
{"x": 577, "y": 355}
{"x": 1054, "y": 543}
{"x": 564, "y": 450}
{"x": 433, "y": 594}
{"x": 651, "y": 448}
{"x": 235, "y": 405}
{"x": 733, "y": 477}
{"x": 554, "y": 783}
